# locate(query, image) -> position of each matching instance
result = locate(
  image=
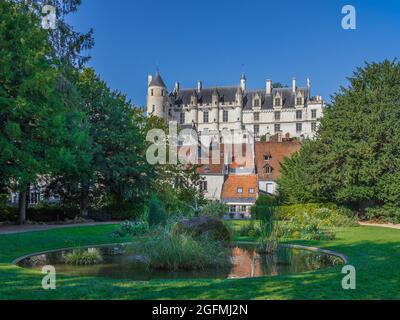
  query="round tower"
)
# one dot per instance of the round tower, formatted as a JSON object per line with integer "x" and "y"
{"x": 157, "y": 96}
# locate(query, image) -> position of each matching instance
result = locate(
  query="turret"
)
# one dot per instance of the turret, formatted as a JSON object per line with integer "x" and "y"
{"x": 243, "y": 82}
{"x": 157, "y": 96}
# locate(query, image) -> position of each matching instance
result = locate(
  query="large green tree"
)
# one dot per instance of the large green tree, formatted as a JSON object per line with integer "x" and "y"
{"x": 355, "y": 159}
{"x": 32, "y": 118}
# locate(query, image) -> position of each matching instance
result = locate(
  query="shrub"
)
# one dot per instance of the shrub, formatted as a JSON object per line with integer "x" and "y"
{"x": 157, "y": 214}
{"x": 84, "y": 257}
{"x": 329, "y": 215}
{"x": 251, "y": 229}
{"x": 214, "y": 209}
{"x": 210, "y": 227}
{"x": 132, "y": 228}
{"x": 303, "y": 227}
{"x": 166, "y": 250}
{"x": 9, "y": 214}
{"x": 118, "y": 212}
{"x": 383, "y": 214}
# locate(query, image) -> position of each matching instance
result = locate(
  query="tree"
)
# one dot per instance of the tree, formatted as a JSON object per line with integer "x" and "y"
{"x": 118, "y": 164}
{"x": 355, "y": 159}
{"x": 32, "y": 118}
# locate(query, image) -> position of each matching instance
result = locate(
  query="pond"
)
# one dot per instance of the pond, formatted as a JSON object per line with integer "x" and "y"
{"x": 246, "y": 263}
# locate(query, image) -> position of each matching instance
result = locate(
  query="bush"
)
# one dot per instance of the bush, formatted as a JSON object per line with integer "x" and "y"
{"x": 9, "y": 214}
{"x": 251, "y": 229}
{"x": 210, "y": 227}
{"x": 132, "y": 228}
{"x": 157, "y": 214}
{"x": 214, "y": 209}
{"x": 304, "y": 229}
{"x": 383, "y": 214}
{"x": 84, "y": 257}
{"x": 118, "y": 212}
{"x": 328, "y": 215}
{"x": 166, "y": 250}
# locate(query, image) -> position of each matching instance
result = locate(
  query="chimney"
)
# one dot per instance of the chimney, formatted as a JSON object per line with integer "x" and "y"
{"x": 309, "y": 87}
{"x": 177, "y": 87}
{"x": 269, "y": 87}
{"x": 294, "y": 85}
{"x": 199, "y": 86}
{"x": 149, "y": 78}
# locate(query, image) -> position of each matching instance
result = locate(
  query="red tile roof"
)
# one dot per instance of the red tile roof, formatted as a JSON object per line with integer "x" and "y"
{"x": 277, "y": 152}
{"x": 233, "y": 183}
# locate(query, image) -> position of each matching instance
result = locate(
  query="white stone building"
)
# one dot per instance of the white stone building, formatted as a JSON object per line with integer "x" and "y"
{"x": 265, "y": 112}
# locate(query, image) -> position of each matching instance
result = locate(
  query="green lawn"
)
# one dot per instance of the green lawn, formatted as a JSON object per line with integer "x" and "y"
{"x": 375, "y": 252}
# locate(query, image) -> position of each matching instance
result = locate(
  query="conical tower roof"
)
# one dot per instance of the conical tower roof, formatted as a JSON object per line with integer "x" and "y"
{"x": 157, "y": 81}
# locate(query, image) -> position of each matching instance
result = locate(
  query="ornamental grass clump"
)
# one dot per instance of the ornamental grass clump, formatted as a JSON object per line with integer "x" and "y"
{"x": 84, "y": 257}
{"x": 166, "y": 250}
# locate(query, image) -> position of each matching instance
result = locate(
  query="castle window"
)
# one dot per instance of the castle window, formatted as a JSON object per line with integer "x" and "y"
{"x": 205, "y": 117}
{"x": 256, "y": 129}
{"x": 257, "y": 103}
{"x": 313, "y": 126}
{"x": 277, "y": 128}
{"x": 152, "y": 92}
{"x": 299, "y": 101}
{"x": 153, "y": 108}
{"x": 314, "y": 114}
{"x": 268, "y": 169}
{"x": 277, "y": 115}
{"x": 299, "y": 127}
{"x": 278, "y": 102}
{"x": 225, "y": 116}
{"x": 256, "y": 116}
{"x": 182, "y": 118}
{"x": 299, "y": 115}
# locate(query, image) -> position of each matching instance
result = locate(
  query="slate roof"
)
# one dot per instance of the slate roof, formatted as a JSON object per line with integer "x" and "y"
{"x": 157, "y": 81}
{"x": 228, "y": 95}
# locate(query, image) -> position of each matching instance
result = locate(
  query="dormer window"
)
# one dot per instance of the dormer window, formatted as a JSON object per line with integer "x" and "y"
{"x": 299, "y": 101}
{"x": 240, "y": 190}
{"x": 278, "y": 102}
{"x": 256, "y": 103}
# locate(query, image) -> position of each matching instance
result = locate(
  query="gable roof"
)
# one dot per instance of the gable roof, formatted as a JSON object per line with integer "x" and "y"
{"x": 277, "y": 151}
{"x": 230, "y": 188}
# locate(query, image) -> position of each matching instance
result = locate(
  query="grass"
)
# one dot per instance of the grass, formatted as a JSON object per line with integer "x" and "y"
{"x": 375, "y": 252}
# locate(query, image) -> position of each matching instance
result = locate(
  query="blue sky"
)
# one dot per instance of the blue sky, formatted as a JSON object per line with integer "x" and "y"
{"x": 215, "y": 41}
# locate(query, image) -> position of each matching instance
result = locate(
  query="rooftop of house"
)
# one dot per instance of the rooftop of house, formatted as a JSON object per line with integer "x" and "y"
{"x": 240, "y": 189}
{"x": 270, "y": 155}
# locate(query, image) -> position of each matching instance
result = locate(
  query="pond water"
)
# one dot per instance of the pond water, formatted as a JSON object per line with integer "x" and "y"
{"x": 246, "y": 263}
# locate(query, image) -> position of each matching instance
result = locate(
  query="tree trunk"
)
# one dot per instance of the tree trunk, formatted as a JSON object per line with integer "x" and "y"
{"x": 22, "y": 206}
{"x": 84, "y": 202}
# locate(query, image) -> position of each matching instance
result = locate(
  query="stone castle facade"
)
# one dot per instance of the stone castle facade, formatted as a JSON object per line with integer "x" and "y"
{"x": 289, "y": 112}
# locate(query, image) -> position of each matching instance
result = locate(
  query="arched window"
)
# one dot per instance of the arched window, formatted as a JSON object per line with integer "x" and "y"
{"x": 268, "y": 169}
